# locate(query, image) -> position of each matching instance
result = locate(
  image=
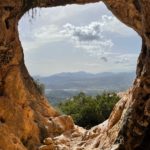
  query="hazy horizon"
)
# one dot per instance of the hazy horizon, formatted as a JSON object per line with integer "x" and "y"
{"x": 94, "y": 73}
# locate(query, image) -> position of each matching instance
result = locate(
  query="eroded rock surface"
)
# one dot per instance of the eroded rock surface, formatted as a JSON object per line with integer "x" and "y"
{"x": 99, "y": 137}
{"x": 28, "y": 122}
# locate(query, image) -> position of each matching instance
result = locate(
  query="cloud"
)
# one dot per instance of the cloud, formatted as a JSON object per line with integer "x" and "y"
{"x": 96, "y": 29}
{"x": 89, "y": 38}
{"x": 91, "y": 32}
{"x": 41, "y": 36}
{"x": 92, "y": 37}
{"x": 112, "y": 25}
{"x": 104, "y": 59}
{"x": 79, "y": 32}
{"x": 48, "y": 33}
{"x": 126, "y": 59}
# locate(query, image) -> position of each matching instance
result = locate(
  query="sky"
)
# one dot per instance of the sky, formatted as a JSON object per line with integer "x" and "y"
{"x": 77, "y": 38}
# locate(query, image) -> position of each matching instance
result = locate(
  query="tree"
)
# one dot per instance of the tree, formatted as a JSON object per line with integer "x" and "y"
{"x": 40, "y": 86}
{"x": 88, "y": 111}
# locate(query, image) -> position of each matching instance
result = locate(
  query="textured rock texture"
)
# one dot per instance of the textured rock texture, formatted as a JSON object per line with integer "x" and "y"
{"x": 28, "y": 122}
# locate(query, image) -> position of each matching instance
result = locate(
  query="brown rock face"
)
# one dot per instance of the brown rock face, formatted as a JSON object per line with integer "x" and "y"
{"x": 26, "y": 118}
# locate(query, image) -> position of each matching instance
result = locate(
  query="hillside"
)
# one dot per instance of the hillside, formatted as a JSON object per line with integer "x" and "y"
{"x": 65, "y": 85}
{"x": 87, "y": 81}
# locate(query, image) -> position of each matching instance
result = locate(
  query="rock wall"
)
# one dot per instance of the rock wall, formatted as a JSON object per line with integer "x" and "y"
{"x": 28, "y": 122}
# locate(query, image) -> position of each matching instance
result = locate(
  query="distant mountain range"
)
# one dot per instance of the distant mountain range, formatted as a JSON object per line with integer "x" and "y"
{"x": 66, "y": 85}
{"x": 82, "y": 81}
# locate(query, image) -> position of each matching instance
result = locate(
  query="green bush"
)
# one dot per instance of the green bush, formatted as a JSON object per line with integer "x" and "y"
{"x": 88, "y": 111}
{"x": 40, "y": 86}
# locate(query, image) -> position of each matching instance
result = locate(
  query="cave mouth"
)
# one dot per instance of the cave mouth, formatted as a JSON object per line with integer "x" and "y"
{"x": 68, "y": 39}
{"x": 18, "y": 88}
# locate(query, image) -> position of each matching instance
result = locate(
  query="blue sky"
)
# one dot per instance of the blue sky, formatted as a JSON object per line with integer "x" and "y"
{"x": 77, "y": 38}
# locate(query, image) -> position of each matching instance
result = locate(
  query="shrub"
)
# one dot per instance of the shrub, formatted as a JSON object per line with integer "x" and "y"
{"x": 88, "y": 111}
{"x": 40, "y": 86}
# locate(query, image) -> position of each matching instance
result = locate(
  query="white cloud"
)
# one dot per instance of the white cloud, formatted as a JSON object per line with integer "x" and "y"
{"x": 96, "y": 48}
{"x": 41, "y": 36}
{"x": 92, "y": 37}
{"x": 126, "y": 59}
{"x": 89, "y": 38}
{"x": 113, "y": 25}
{"x": 88, "y": 33}
{"x": 95, "y": 29}
{"x": 47, "y": 34}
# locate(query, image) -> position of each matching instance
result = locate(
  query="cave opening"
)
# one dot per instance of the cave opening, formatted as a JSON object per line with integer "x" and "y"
{"x": 75, "y": 49}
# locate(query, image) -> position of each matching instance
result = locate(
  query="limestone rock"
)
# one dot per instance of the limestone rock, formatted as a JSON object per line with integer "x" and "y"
{"x": 26, "y": 118}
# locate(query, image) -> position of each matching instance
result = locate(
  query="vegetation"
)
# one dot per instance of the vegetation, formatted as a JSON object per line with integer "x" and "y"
{"x": 40, "y": 86}
{"x": 88, "y": 111}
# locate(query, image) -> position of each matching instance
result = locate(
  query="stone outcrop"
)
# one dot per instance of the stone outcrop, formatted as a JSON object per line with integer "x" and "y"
{"x": 28, "y": 122}
{"x": 99, "y": 137}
